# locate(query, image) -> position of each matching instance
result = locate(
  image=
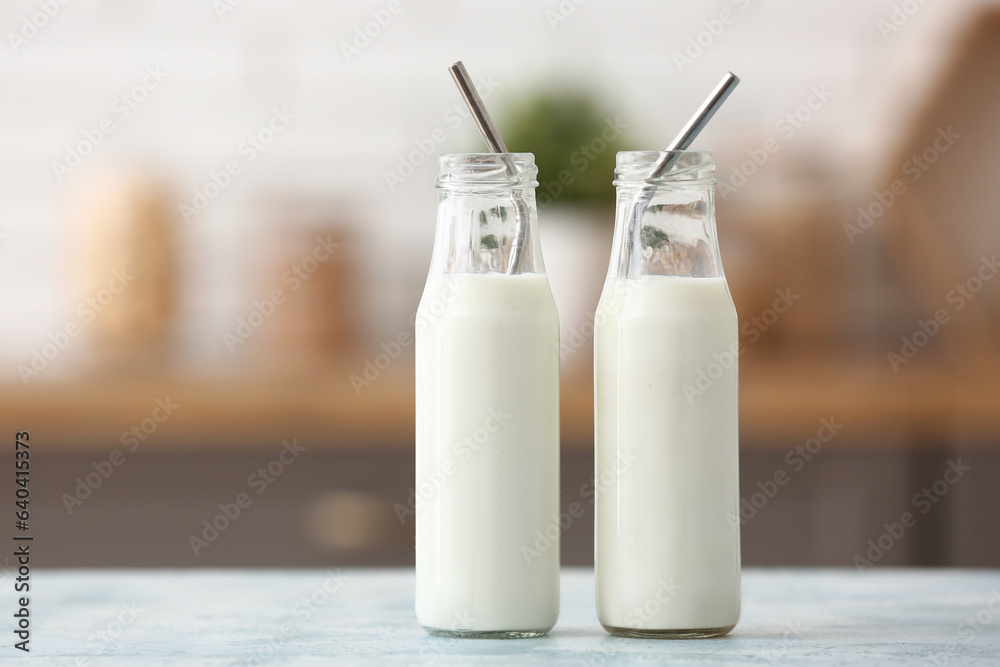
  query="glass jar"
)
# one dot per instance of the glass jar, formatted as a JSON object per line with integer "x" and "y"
{"x": 667, "y": 554}
{"x": 487, "y": 409}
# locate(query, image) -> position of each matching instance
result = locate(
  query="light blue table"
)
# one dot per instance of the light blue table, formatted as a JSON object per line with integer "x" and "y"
{"x": 248, "y": 617}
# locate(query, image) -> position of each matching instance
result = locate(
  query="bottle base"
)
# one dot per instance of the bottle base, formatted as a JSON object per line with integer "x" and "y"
{"x": 644, "y": 633}
{"x": 486, "y": 634}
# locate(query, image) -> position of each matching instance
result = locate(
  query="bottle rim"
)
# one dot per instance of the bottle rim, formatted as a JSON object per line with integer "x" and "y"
{"x": 692, "y": 168}
{"x": 486, "y": 169}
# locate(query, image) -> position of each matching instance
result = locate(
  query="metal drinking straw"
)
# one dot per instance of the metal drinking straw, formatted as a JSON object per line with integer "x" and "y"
{"x": 683, "y": 140}
{"x": 496, "y": 145}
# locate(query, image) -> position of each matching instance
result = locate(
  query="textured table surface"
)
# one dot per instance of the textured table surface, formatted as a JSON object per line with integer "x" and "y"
{"x": 253, "y": 617}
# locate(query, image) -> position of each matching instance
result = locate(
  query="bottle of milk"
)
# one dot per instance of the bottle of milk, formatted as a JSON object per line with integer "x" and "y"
{"x": 667, "y": 552}
{"x": 487, "y": 410}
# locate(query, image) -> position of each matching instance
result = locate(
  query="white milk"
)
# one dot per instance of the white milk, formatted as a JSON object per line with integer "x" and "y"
{"x": 487, "y": 439}
{"x": 667, "y": 542}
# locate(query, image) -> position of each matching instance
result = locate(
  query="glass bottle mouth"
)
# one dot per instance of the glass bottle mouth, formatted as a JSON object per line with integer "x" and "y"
{"x": 692, "y": 168}
{"x": 491, "y": 170}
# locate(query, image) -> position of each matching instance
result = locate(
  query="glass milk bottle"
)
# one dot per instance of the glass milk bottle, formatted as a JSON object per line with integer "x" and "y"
{"x": 667, "y": 547}
{"x": 487, "y": 409}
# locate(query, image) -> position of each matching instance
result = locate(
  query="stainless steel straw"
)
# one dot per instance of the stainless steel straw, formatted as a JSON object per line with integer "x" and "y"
{"x": 696, "y": 124}
{"x": 681, "y": 141}
{"x": 496, "y": 145}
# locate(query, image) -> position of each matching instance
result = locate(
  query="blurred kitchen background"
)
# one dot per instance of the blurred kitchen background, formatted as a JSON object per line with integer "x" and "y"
{"x": 216, "y": 219}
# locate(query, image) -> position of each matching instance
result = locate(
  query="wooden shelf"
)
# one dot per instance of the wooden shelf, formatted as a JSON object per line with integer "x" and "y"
{"x": 781, "y": 404}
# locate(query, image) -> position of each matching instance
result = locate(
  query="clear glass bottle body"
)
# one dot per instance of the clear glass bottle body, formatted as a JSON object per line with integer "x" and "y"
{"x": 667, "y": 546}
{"x": 487, "y": 410}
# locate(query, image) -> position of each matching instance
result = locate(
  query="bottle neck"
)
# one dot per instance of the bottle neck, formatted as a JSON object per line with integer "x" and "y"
{"x": 665, "y": 216}
{"x": 486, "y": 214}
{"x": 665, "y": 230}
{"x": 487, "y": 230}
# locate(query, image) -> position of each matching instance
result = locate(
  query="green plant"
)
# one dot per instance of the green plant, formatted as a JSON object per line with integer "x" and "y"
{"x": 574, "y": 140}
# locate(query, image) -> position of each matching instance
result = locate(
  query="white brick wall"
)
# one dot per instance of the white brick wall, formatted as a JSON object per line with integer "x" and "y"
{"x": 355, "y": 119}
